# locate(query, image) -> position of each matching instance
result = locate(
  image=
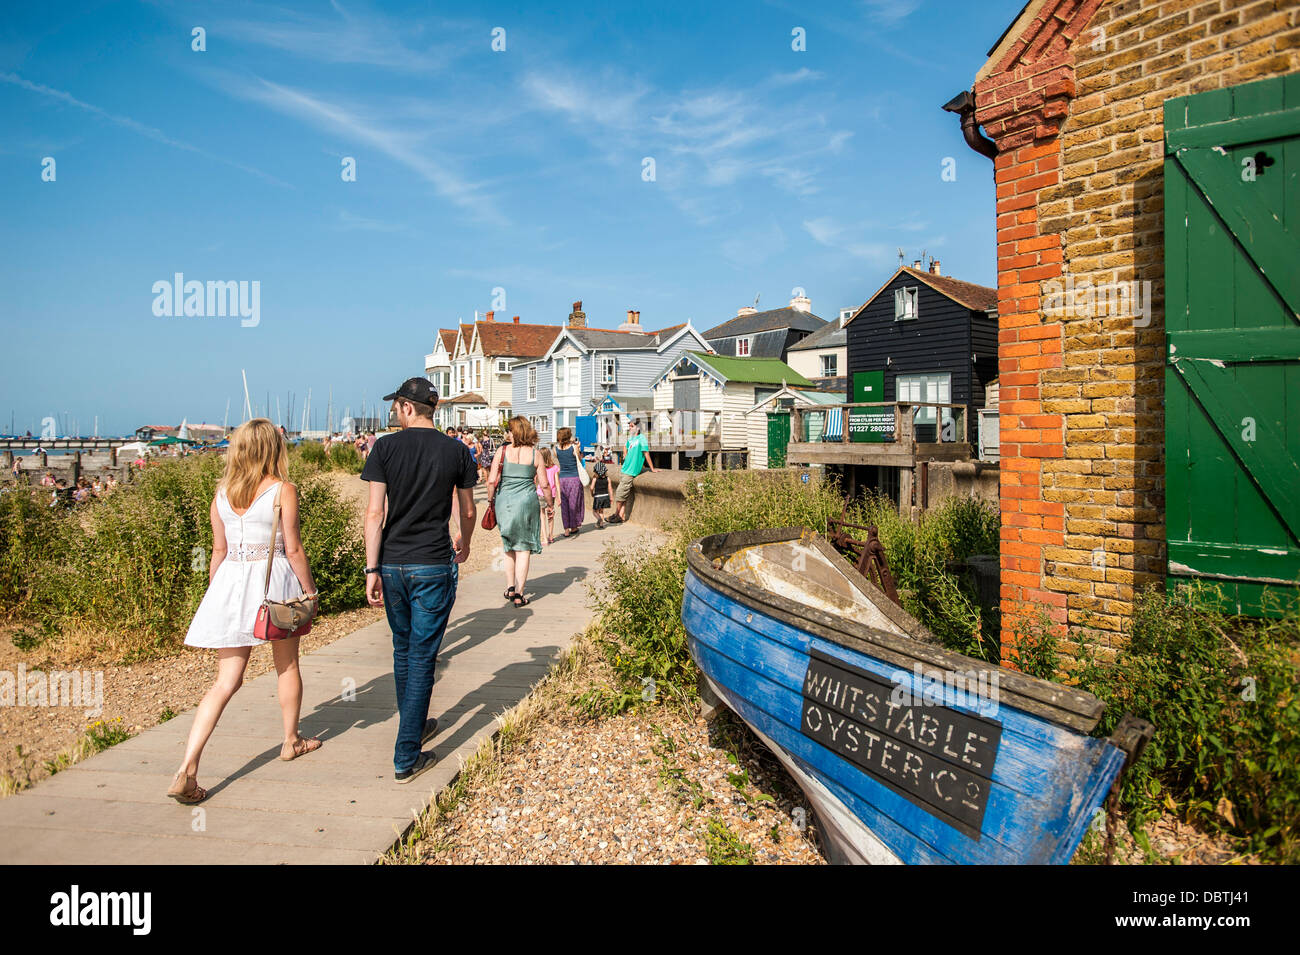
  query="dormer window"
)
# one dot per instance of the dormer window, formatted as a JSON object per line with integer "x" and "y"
{"x": 906, "y": 301}
{"x": 742, "y": 347}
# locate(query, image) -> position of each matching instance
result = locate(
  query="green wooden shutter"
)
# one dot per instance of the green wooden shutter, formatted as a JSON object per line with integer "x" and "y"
{"x": 1232, "y": 322}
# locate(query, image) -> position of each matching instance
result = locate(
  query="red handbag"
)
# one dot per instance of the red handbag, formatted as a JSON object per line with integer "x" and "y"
{"x": 278, "y": 619}
{"x": 489, "y": 521}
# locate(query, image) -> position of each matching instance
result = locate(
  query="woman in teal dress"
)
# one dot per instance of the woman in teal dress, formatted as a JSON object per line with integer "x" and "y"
{"x": 516, "y": 481}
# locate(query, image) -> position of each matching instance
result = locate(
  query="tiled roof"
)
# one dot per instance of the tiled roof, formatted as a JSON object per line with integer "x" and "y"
{"x": 830, "y": 335}
{"x": 979, "y": 298}
{"x": 609, "y": 340}
{"x": 766, "y": 321}
{"x": 448, "y": 336}
{"x": 516, "y": 341}
{"x": 468, "y": 398}
{"x": 666, "y": 333}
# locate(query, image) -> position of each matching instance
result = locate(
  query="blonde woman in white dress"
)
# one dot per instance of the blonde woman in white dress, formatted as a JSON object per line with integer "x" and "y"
{"x": 242, "y": 512}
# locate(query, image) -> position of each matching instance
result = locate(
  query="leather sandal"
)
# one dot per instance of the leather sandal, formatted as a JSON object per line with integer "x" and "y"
{"x": 520, "y": 600}
{"x": 510, "y": 592}
{"x": 189, "y": 791}
{"x": 304, "y": 745}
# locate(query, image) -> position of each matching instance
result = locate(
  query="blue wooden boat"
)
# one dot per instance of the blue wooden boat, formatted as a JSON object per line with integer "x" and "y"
{"x": 907, "y": 752}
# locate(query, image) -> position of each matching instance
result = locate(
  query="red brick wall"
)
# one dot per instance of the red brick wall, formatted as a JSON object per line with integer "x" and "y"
{"x": 1074, "y": 102}
{"x": 1021, "y": 106}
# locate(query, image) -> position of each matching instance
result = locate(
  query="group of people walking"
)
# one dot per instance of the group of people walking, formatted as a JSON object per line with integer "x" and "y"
{"x": 421, "y": 482}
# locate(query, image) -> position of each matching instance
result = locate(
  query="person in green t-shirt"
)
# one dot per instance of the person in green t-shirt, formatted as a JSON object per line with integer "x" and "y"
{"x": 635, "y": 456}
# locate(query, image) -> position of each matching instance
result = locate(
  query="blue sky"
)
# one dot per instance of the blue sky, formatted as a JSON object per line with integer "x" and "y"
{"x": 475, "y": 170}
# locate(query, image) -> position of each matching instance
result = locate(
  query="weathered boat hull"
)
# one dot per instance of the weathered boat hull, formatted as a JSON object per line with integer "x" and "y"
{"x": 853, "y": 711}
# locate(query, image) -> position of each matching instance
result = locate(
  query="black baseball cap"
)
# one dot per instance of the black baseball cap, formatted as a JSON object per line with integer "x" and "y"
{"x": 419, "y": 390}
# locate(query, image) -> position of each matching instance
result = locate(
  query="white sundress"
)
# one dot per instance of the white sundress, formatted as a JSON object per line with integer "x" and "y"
{"x": 229, "y": 608}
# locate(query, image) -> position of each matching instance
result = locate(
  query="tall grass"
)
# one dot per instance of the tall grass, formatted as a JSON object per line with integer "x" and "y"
{"x": 642, "y": 597}
{"x": 136, "y": 562}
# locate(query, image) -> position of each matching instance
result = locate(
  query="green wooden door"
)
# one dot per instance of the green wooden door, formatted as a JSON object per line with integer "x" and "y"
{"x": 1232, "y": 372}
{"x": 778, "y": 438}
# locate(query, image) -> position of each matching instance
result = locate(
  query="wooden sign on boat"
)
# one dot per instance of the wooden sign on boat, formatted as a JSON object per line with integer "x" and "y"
{"x": 907, "y": 751}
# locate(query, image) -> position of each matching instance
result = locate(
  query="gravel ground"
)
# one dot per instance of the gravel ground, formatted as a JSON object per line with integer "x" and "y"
{"x": 655, "y": 787}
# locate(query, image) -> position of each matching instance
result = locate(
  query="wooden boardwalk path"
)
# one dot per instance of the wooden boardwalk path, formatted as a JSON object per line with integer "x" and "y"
{"x": 339, "y": 804}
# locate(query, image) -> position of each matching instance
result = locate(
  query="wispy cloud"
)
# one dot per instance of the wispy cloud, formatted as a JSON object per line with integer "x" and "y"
{"x": 363, "y": 38}
{"x": 351, "y": 222}
{"x": 849, "y": 239}
{"x": 126, "y": 122}
{"x": 801, "y": 75}
{"x": 404, "y": 148}
{"x": 701, "y": 140}
{"x": 858, "y": 239}
{"x": 889, "y": 12}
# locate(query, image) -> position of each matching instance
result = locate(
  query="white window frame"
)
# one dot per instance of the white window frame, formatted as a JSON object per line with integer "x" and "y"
{"x": 907, "y": 303}
{"x": 541, "y": 423}
{"x": 561, "y": 376}
{"x": 503, "y": 366}
{"x": 744, "y": 346}
{"x": 834, "y": 360}
{"x": 931, "y": 387}
{"x": 478, "y": 374}
{"x": 532, "y": 382}
{"x": 609, "y": 370}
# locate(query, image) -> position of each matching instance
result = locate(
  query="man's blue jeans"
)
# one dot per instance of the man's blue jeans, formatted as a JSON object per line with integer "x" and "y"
{"x": 418, "y": 600}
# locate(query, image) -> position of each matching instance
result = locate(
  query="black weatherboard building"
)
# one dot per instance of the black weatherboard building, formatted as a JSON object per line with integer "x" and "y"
{"x": 935, "y": 339}
{"x": 769, "y": 334}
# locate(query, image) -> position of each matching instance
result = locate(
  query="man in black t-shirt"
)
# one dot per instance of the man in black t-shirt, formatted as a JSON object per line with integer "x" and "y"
{"x": 419, "y": 478}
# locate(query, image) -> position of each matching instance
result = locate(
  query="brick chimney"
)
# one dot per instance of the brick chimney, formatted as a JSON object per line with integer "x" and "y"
{"x": 633, "y": 323}
{"x": 577, "y": 317}
{"x": 801, "y": 303}
{"x": 934, "y": 267}
{"x": 516, "y": 319}
{"x": 490, "y": 317}
{"x": 917, "y": 264}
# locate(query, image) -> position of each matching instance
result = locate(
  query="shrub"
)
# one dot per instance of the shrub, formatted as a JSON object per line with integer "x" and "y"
{"x": 1226, "y": 717}
{"x": 310, "y": 454}
{"x": 137, "y": 560}
{"x": 344, "y": 457}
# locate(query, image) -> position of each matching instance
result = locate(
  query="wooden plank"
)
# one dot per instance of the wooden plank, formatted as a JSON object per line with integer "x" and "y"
{"x": 1265, "y": 457}
{"x": 1259, "y": 229}
{"x": 1237, "y": 130}
{"x": 1236, "y": 345}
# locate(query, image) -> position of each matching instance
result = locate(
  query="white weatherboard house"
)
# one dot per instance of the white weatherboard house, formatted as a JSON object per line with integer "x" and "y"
{"x": 768, "y": 439}
{"x": 596, "y": 372}
{"x": 702, "y": 402}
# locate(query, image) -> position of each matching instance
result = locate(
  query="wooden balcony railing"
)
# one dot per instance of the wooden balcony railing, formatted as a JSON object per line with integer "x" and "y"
{"x": 834, "y": 424}
{"x": 680, "y": 427}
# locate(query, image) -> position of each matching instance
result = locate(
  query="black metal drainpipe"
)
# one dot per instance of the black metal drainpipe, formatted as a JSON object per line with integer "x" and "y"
{"x": 963, "y": 104}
